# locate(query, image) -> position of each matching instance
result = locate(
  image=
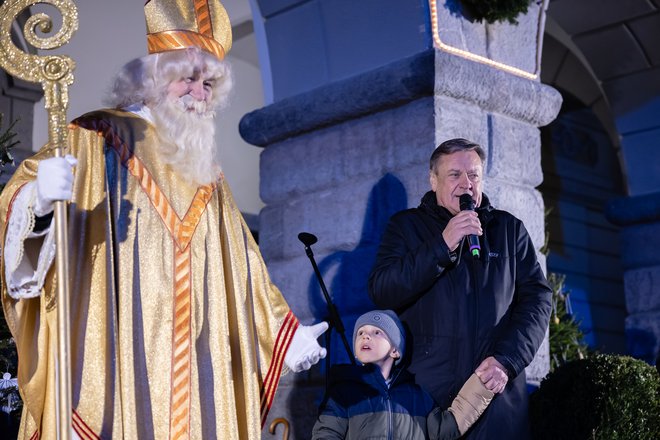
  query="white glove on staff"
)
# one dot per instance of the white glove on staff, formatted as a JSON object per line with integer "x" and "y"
{"x": 305, "y": 350}
{"x": 54, "y": 182}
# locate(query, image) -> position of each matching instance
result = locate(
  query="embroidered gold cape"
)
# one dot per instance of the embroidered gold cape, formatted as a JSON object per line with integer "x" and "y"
{"x": 177, "y": 330}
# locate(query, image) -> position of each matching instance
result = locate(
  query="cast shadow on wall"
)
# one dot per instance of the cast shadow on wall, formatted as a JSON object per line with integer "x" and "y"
{"x": 345, "y": 273}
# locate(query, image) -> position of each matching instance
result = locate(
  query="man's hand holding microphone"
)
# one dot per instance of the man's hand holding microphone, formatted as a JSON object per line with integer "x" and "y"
{"x": 464, "y": 223}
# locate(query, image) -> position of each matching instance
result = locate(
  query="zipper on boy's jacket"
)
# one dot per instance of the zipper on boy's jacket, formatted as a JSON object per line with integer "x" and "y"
{"x": 390, "y": 425}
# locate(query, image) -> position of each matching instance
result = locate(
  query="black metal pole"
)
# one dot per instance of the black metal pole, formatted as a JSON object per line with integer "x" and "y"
{"x": 335, "y": 320}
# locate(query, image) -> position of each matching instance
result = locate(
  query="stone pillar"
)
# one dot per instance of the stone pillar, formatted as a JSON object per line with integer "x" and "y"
{"x": 501, "y": 112}
{"x": 489, "y": 93}
{"x": 341, "y": 159}
{"x": 639, "y": 218}
{"x": 338, "y": 162}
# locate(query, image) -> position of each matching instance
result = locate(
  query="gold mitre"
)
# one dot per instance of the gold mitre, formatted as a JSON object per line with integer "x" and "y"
{"x": 179, "y": 24}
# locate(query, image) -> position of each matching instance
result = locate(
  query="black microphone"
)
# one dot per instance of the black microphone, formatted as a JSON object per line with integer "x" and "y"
{"x": 307, "y": 238}
{"x": 335, "y": 320}
{"x": 467, "y": 204}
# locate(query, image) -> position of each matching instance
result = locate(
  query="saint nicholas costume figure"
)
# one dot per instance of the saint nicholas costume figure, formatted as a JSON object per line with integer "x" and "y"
{"x": 176, "y": 328}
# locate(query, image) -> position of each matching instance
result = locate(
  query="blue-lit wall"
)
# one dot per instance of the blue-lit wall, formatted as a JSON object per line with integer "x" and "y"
{"x": 305, "y": 44}
{"x": 639, "y": 127}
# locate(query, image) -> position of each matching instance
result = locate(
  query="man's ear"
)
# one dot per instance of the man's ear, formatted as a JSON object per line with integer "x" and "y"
{"x": 433, "y": 180}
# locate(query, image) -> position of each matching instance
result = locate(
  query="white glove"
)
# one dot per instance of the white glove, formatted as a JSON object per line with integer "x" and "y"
{"x": 304, "y": 350}
{"x": 54, "y": 182}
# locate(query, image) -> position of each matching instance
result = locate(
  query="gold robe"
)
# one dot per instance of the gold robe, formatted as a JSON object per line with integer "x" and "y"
{"x": 177, "y": 330}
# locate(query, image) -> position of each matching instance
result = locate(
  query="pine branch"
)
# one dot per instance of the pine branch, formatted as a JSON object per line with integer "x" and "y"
{"x": 566, "y": 338}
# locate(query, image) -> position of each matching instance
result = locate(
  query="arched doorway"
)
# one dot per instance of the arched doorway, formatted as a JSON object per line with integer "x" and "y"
{"x": 581, "y": 173}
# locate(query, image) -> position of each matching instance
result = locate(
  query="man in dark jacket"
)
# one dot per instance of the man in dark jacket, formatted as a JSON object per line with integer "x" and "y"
{"x": 487, "y": 315}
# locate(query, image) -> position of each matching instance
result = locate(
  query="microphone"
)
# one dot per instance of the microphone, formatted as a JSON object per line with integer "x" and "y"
{"x": 335, "y": 320}
{"x": 307, "y": 239}
{"x": 467, "y": 204}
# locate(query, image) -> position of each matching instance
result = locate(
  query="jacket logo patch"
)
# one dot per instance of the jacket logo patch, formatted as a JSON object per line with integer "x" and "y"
{"x": 493, "y": 254}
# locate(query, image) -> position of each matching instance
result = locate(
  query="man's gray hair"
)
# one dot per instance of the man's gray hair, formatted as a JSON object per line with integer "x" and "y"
{"x": 454, "y": 145}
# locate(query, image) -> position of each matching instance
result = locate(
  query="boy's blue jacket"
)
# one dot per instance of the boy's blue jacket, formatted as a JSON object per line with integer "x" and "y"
{"x": 360, "y": 405}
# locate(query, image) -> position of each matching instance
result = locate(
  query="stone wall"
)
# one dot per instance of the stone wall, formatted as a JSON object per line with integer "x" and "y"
{"x": 340, "y": 160}
{"x": 639, "y": 218}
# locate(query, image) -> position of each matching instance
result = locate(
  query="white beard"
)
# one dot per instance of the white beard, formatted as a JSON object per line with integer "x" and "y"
{"x": 187, "y": 132}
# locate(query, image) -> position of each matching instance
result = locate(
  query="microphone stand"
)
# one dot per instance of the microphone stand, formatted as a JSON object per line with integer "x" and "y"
{"x": 335, "y": 320}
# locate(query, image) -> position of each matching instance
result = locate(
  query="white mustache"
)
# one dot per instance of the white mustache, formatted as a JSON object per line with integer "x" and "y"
{"x": 187, "y": 103}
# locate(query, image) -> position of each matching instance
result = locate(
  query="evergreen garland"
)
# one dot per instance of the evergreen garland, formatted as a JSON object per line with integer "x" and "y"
{"x": 7, "y": 142}
{"x": 566, "y": 339}
{"x": 497, "y": 10}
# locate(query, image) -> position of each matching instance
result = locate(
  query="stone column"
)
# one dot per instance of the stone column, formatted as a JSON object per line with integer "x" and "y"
{"x": 501, "y": 112}
{"x": 341, "y": 159}
{"x": 639, "y": 218}
{"x": 338, "y": 162}
{"x": 487, "y": 90}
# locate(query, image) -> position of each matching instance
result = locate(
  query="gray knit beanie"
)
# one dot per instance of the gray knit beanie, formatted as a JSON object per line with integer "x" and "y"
{"x": 387, "y": 321}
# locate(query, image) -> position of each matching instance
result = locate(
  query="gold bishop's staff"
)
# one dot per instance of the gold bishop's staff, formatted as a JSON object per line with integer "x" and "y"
{"x": 55, "y": 73}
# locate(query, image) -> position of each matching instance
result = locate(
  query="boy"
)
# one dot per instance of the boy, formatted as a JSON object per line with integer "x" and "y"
{"x": 380, "y": 398}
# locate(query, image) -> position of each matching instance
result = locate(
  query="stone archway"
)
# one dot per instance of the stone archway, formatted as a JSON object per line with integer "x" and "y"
{"x": 581, "y": 174}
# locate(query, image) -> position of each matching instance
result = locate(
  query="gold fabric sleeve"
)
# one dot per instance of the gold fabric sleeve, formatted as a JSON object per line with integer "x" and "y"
{"x": 176, "y": 325}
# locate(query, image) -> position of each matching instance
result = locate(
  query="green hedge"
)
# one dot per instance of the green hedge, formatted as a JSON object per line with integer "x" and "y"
{"x": 603, "y": 397}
